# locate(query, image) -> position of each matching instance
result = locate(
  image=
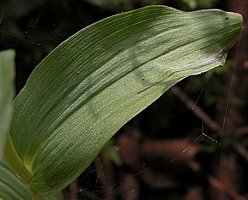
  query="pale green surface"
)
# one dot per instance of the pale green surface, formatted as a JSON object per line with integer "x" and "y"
{"x": 97, "y": 80}
{"x": 11, "y": 188}
{"x": 7, "y": 59}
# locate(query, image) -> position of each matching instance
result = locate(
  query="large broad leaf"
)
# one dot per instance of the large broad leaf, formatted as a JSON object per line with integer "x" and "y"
{"x": 93, "y": 83}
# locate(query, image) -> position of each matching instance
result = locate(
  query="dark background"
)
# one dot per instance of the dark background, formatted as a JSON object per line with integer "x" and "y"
{"x": 162, "y": 153}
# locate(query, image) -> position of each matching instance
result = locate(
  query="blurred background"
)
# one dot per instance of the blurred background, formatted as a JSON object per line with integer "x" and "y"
{"x": 191, "y": 144}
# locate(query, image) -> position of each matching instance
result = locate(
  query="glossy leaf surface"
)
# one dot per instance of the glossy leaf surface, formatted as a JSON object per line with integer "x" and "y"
{"x": 101, "y": 77}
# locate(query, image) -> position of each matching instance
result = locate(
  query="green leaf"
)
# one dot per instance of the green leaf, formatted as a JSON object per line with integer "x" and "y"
{"x": 11, "y": 188}
{"x": 6, "y": 92}
{"x": 101, "y": 77}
